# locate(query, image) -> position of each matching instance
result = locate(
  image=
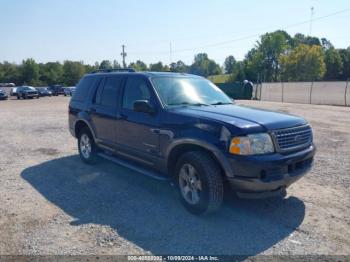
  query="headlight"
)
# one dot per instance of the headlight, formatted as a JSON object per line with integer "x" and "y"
{"x": 254, "y": 144}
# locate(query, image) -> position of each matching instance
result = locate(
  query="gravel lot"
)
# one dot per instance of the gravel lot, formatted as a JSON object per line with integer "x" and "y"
{"x": 51, "y": 203}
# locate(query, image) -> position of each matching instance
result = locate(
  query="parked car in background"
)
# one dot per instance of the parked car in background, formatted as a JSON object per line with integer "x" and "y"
{"x": 3, "y": 95}
{"x": 7, "y": 84}
{"x": 27, "y": 92}
{"x": 43, "y": 91}
{"x": 73, "y": 90}
{"x": 13, "y": 91}
{"x": 69, "y": 91}
{"x": 56, "y": 90}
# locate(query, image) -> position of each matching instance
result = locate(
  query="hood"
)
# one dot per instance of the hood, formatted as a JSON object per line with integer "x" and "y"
{"x": 244, "y": 117}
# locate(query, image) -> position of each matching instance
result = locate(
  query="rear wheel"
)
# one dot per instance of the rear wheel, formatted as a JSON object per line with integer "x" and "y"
{"x": 200, "y": 182}
{"x": 87, "y": 146}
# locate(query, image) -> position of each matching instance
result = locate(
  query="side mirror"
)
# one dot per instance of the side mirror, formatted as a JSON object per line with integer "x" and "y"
{"x": 143, "y": 106}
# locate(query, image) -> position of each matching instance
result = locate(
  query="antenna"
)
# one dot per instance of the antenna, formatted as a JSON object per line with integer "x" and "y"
{"x": 311, "y": 17}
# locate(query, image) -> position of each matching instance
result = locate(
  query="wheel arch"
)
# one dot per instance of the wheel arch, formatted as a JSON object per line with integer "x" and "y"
{"x": 185, "y": 145}
{"x": 80, "y": 124}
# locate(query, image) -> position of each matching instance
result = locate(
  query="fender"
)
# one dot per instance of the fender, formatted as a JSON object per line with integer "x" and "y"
{"x": 223, "y": 161}
{"x": 87, "y": 123}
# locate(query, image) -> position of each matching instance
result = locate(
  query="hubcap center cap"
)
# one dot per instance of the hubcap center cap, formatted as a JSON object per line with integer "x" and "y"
{"x": 192, "y": 182}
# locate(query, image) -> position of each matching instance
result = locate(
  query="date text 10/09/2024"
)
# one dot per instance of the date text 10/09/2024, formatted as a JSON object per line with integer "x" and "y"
{"x": 173, "y": 258}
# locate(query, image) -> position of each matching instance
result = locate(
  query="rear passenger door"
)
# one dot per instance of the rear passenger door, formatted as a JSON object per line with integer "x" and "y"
{"x": 104, "y": 110}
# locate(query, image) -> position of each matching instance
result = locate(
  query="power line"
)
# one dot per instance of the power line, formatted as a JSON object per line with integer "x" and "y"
{"x": 246, "y": 37}
{"x": 255, "y": 35}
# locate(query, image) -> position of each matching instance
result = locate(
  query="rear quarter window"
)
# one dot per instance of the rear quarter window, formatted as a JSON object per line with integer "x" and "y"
{"x": 83, "y": 88}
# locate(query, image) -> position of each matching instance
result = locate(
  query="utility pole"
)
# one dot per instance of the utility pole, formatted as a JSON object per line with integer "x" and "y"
{"x": 311, "y": 17}
{"x": 171, "y": 53}
{"x": 123, "y": 54}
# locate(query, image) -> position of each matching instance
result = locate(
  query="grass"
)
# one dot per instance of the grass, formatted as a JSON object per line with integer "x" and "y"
{"x": 219, "y": 79}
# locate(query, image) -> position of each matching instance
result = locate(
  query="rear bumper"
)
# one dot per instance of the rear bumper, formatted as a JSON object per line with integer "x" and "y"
{"x": 264, "y": 176}
{"x": 72, "y": 132}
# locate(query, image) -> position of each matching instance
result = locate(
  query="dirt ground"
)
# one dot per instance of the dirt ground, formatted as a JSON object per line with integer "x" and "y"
{"x": 51, "y": 203}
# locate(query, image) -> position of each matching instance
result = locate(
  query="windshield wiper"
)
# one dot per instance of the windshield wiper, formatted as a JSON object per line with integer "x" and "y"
{"x": 187, "y": 104}
{"x": 221, "y": 103}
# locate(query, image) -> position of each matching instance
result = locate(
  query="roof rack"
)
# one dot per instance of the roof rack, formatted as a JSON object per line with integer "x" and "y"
{"x": 131, "y": 70}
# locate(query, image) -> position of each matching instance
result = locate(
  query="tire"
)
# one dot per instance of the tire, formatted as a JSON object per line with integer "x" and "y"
{"x": 210, "y": 188}
{"x": 18, "y": 97}
{"x": 87, "y": 147}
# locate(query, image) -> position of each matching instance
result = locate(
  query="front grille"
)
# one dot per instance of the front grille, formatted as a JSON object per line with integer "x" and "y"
{"x": 293, "y": 138}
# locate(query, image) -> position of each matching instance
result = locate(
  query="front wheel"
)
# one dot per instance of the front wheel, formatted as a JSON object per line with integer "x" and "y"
{"x": 200, "y": 182}
{"x": 87, "y": 146}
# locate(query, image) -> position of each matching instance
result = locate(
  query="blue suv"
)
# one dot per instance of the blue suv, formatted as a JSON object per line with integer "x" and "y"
{"x": 184, "y": 129}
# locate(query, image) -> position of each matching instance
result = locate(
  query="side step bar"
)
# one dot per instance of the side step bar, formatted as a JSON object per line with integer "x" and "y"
{"x": 133, "y": 167}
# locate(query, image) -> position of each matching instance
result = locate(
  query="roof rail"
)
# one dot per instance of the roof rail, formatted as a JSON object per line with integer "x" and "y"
{"x": 131, "y": 70}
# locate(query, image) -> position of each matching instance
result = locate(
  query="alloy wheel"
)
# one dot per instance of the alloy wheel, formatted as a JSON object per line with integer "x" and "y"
{"x": 190, "y": 184}
{"x": 85, "y": 146}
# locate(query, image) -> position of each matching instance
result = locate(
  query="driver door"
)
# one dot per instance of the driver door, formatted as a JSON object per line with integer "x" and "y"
{"x": 138, "y": 138}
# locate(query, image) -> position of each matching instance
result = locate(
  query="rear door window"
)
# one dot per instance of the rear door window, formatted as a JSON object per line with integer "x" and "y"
{"x": 107, "y": 93}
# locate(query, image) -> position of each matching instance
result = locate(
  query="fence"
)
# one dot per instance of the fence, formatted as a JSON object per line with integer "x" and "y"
{"x": 318, "y": 93}
{"x": 236, "y": 90}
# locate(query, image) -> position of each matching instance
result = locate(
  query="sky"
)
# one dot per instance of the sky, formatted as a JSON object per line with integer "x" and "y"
{"x": 94, "y": 30}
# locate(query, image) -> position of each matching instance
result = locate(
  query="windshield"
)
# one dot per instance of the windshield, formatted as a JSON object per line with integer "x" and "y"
{"x": 28, "y": 88}
{"x": 175, "y": 91}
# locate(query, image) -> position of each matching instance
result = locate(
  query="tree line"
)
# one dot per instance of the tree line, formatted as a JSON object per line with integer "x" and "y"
{"x": 276, "y": 56}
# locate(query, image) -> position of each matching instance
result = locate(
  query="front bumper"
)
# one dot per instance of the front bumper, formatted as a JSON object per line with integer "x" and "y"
{"x": 31, "y": 95}
{"x": 268, "y": 175}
